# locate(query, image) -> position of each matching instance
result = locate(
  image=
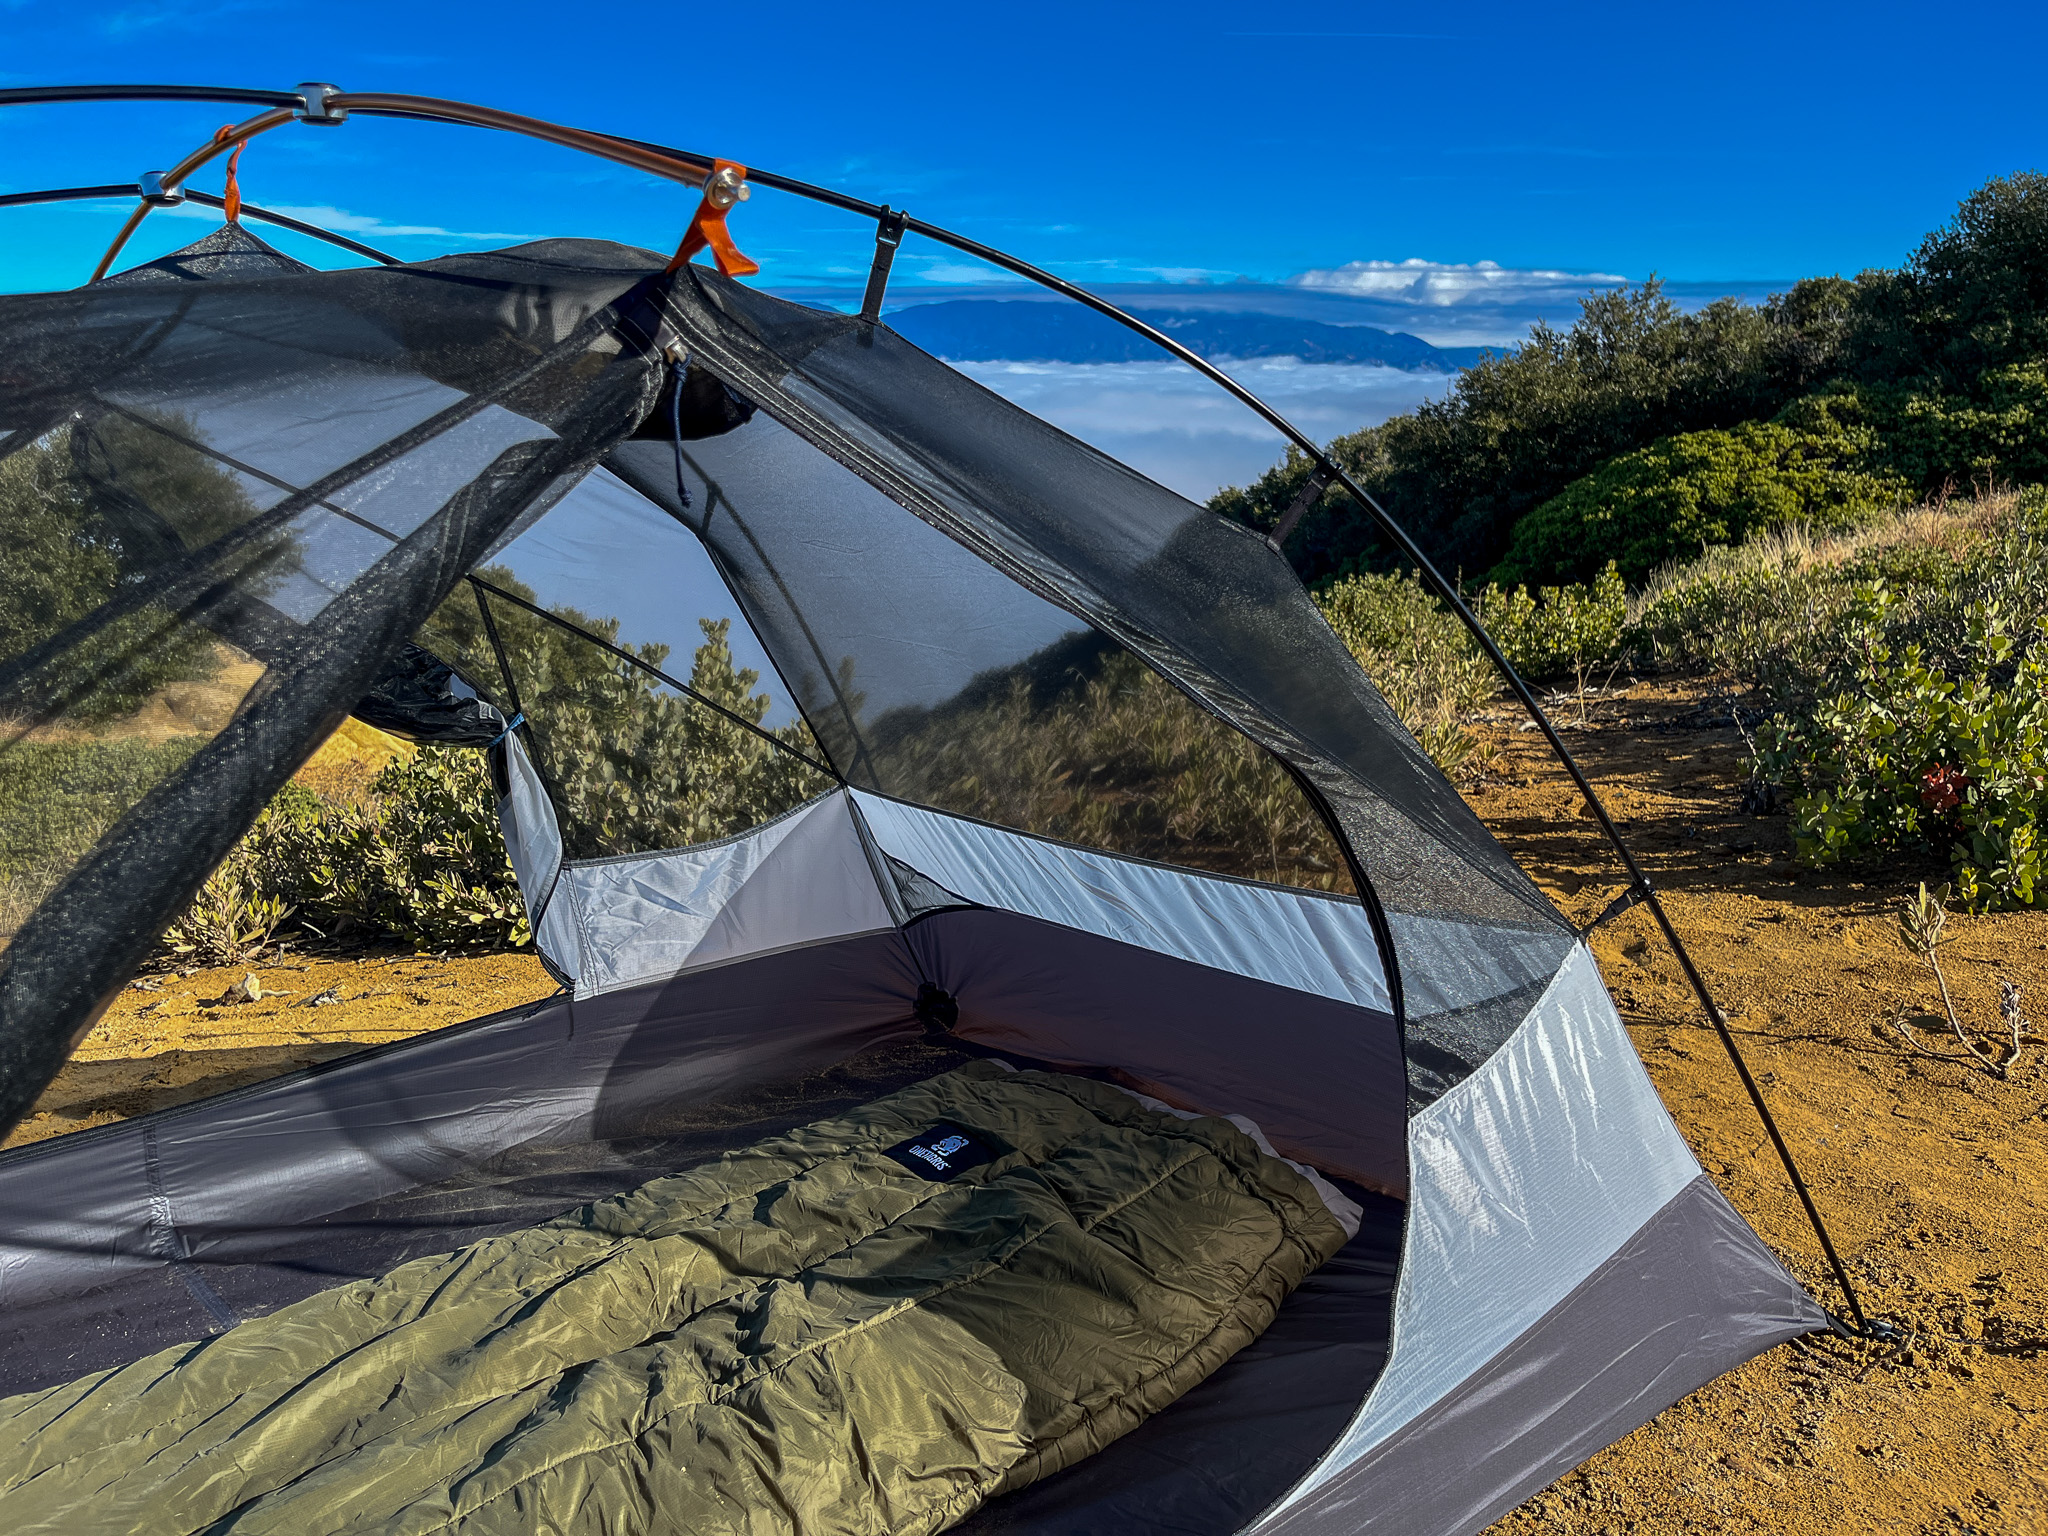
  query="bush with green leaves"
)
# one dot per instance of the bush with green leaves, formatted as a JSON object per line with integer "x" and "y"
{"x": 1419, "y": 655}
{"x": 421, "y": 860}
{"x": 1915, "y": 757}
{"x": 1561, "y": 631}
{"x": 1433, "y": 672}
{"x": 1769, "y": 614}
{"x": 631, "y": 764}
{"x": 88, "y": 508}
{"x": 1684, "y": 493}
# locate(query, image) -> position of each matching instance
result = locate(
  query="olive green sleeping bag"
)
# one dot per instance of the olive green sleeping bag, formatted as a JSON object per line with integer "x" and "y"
{"x": 825, "y": 1332}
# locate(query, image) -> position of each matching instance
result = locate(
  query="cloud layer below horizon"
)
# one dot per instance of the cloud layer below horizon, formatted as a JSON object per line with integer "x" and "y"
{"x": 1167, "y": 421}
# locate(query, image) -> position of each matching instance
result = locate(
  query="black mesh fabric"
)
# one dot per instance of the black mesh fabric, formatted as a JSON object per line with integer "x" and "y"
{"x": 931, "y": 676}
{"x": 251, "y": 487}
{"x": 230, "y": 251}
{"x": 632, "y": 763}
{"x": 1201, "y": 599}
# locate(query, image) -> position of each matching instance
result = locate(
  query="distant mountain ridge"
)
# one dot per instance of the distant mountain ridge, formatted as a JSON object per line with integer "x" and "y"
{"x": 1024, "y": 331}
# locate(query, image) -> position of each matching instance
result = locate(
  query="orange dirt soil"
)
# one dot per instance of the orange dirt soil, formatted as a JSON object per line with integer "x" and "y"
{"x": 1931, "y": 1173}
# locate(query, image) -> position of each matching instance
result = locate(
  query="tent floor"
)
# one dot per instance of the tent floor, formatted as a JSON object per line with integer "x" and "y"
{"x": 1208, "y": 1464}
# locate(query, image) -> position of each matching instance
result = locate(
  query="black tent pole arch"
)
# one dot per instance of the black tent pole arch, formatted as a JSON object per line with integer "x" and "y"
{"x": 325, "y": 105}
{"x": 205, "y": 200}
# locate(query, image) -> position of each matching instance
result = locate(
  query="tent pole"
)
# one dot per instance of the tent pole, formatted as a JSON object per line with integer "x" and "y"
{"x": 174, "y": 179}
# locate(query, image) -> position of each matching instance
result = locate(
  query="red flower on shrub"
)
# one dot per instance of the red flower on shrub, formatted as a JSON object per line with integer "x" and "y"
{"x": 1941, "y": 789}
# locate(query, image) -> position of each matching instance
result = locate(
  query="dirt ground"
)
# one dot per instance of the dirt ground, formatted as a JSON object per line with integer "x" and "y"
{"x": 175, "y": 1036}
{"x": 1931, "y": 1173}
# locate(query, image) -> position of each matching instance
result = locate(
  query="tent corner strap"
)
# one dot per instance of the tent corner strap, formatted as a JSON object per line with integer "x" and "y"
{"x": 321, "y": 104}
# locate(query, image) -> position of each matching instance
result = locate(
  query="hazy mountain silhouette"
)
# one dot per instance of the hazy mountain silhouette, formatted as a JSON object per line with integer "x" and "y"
{"x": 1015, "y": 330}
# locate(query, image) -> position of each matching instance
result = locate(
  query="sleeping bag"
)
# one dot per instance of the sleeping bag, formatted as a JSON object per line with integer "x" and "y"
{"x": 870, "y": 1324}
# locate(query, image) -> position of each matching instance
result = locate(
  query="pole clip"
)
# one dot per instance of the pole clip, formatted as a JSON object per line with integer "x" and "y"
{"x": 1638, "y": 892}
{"x": 318, "y": 108}
{"x": 1310, "y": 493}
{"x": 888, "y": 235}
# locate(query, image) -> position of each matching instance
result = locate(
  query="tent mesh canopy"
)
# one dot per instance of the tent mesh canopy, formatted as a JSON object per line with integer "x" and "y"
{"x": 851, "y": 724}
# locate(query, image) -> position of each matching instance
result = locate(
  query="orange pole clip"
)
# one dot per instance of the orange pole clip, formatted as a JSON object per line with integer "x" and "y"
{"x": 232, "y": 198}
{"x": 723, "y": 191}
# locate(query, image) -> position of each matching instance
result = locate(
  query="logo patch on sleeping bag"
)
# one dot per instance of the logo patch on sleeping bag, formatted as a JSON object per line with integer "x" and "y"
{"x": 941, "y": 1152}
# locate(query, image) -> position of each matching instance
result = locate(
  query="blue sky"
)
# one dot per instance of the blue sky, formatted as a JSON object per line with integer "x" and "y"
{"x": 1732, "y": 144}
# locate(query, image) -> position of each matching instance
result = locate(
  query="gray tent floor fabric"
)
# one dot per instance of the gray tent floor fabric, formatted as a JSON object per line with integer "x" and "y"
{"x": 1692, "y": 1295}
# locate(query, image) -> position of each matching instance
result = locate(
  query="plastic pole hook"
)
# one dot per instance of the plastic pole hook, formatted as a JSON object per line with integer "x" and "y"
{"x": 724, "y": 190}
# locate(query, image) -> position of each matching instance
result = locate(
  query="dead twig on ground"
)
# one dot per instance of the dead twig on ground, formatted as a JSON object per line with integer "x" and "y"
{"x": 1921, "y": 929}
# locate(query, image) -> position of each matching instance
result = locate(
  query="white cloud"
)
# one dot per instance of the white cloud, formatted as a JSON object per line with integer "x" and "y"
{"x": 1440, "y": 284}
{"x": 342, "y": 222}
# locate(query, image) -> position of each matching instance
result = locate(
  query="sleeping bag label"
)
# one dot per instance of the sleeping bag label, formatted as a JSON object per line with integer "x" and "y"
{"x": 941, "y": 1152}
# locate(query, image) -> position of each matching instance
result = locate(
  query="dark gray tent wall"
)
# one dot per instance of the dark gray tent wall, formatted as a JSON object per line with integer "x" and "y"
{"x": 1564, "y": 1268}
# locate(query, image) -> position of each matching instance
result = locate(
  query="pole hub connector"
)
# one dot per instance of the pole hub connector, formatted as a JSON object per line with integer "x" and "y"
{"x": 151, "y": 189}
{"x": 318, "y": 110}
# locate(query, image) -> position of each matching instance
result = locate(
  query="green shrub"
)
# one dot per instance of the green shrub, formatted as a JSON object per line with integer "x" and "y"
{"x": 1557, "y": 631}
{"x": 1763, "y": 614}
{"x": 71, "y": 548}
{"x": 230, "y": 920}
{"x": 1914, "y": 758}
{"x": 1430, "y": 669}
{"x": 1418, "y": 654}
{"x": 423, "y": 860}
{"x": 1683, "y": 493}
{"x": 58, "y": 798}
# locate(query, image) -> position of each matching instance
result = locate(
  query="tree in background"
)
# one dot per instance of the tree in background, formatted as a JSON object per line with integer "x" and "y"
{"x": 91, "y": 508}
{"x": 631, "y": 764}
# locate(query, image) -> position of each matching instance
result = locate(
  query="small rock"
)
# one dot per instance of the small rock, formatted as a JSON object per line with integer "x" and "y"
{"x": 325, "y": 999}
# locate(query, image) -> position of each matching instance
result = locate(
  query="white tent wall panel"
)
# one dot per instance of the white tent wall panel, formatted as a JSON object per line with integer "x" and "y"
{"x": 533, "y": 841}
{"x": 1524, "y": 1179}
{"x": 1290, "y": 938}
{"x": 803, "y": 878}
{"x": 800, "y": 879}
{"x": 1692, "y": 1294}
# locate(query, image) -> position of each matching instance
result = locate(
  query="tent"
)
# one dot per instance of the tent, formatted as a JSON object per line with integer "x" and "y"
{"x": 1054, "y": 765}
